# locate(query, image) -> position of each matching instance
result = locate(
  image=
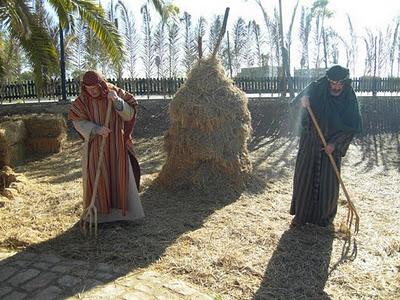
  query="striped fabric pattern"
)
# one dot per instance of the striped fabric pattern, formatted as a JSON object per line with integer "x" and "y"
{"x": 315, "y": 186}
{"x": 112, "y": 188}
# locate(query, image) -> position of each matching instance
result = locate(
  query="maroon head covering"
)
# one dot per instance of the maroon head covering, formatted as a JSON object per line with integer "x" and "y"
{"x": 93, "y": 78}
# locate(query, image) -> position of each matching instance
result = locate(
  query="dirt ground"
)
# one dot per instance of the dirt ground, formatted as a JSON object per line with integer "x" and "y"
{"x": 235, "y": 245}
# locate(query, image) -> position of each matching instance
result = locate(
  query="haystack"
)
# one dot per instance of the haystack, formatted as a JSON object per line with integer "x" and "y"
{"x": 46, "y": 133}
{"x": 206, "y": 143}
{"x": 12, "y": 142}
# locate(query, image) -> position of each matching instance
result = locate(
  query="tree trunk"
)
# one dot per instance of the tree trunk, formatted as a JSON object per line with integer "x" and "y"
{"x": 62, "y": 67}
{"x": 286, "y": 78}
{"x": 325, "y": 52}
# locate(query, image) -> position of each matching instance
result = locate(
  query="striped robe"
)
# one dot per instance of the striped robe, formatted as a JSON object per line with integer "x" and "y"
{"x": 117, "y": 194}
{"x": 315, "y": 186}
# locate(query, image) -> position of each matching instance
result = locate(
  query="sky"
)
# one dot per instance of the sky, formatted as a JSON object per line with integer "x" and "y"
{"x": 363, "y": 13}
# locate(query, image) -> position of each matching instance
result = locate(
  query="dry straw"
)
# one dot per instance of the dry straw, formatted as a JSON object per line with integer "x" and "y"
{"x": 38, "y": 133}
{"x": 12, "y": 136}
{"x": 206, "y": 143}
{"x": 45, "y": 126}
{"x": 46, "y": 133}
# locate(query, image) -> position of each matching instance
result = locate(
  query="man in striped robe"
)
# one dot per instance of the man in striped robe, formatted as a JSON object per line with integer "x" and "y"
{"x": 117, "y": 193}
{"x": 316, "y": 188}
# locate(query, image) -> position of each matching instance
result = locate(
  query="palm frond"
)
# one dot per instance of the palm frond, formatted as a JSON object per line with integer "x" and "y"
{"x": 158, "y": 5}
{"x": 63, "y": 9}
{"x": 40, "y": 50}
{"x": 104, "y": 29}
{"x": 395, "y": 41}
{"x": 16, "y": 13}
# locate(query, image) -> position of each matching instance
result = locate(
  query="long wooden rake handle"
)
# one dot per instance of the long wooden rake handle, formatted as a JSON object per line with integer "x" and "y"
{"x": 352, "y": 210}
{"x": 91, "y": 210}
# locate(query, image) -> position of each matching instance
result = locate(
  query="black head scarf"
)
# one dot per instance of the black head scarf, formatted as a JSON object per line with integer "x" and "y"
{"x": 337, "y": 73}
{"x": 334, "y": 113}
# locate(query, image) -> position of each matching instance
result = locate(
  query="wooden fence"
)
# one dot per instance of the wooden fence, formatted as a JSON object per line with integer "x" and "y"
{"x": 168, "y": 86}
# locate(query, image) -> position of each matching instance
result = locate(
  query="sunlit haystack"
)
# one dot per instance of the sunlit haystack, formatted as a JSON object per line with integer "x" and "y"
{"x": 45, "y": 133}
{"x": 22, "y": 135}
{"x": 12, "y": 141}
{"x": 206, "y": 143}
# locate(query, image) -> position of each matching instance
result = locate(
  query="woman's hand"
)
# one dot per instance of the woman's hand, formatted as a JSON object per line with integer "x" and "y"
{"x": 329, "y": 148}
{"x": 305, "y": 101}
{"x": 103, "y": 131}
{"x": 112, "y": 95}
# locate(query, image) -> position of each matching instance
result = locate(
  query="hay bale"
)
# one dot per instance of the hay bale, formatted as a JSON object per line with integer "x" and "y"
{"x": 45, "y": 145}
{"x": 10, "y": 155}
{"x": 7, "y": 176}
{"x": 45, "y": 126}
{"x": 12, "y": 136}
{"x": 13, "y": 131}
{"x": 46, "y": 133}
{"x": 206, "y": 143}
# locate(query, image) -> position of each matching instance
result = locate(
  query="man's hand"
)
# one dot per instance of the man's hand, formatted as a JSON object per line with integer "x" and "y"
{"x": 112, "y": 95}
{"x": 103, "y": 131}
{"x": 305, "y": 101}
{"x": 329, "y": 148}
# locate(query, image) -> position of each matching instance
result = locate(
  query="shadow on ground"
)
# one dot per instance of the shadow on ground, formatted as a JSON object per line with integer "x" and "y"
{"x": 130, "y": 246}
{"x": 379, "y": 149}
{"x": 170, "y": 215}
{"x": 299, "y": 266}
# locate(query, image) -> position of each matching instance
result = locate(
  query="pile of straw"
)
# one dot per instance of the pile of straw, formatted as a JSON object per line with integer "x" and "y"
{"x": 7, "y": 176}
{"x": 46, "y": 133}
{"x": 43, "y": 134}
{"x": 206, "y": 143}
{"x": 12, "y": 146}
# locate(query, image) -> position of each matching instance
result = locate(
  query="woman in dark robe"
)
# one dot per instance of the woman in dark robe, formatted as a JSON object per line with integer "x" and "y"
{"x": 316, "y": 187}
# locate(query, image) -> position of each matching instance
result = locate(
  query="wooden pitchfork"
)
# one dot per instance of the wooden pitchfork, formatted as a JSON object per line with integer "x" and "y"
{"x": 352, "y": 212}
{"x": 91, "y": 211}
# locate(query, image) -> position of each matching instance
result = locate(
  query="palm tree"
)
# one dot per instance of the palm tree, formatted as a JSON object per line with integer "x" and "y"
{"x": 22, "y": 24}
{"x": 249, "y": 54}
{"x": 77, "y": 59}
{"x": 305, "y": 29}
{"x": 239, "y": 43}
{"x": 369, "y": 42}
{"x": 353, "y": 46}
{"x": 173, "y": 49}
{"x": 258, "y": 41}
{"x": 288, "y": 42}
{"x": 148, "y": 57}
{"x": 12, "y": 58}
{"x": 214, "y": 31}
{"x": 189, "y": 46}
{"x": 131, "y": 43}
{"x": 321, "y": 12}
{"x": 332, "y": 45}
{"x": 273, "y": 37}
{"x": 160, "y": 48}
{"x": 19, "y": 20}
{"x": 393, "y": 46}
